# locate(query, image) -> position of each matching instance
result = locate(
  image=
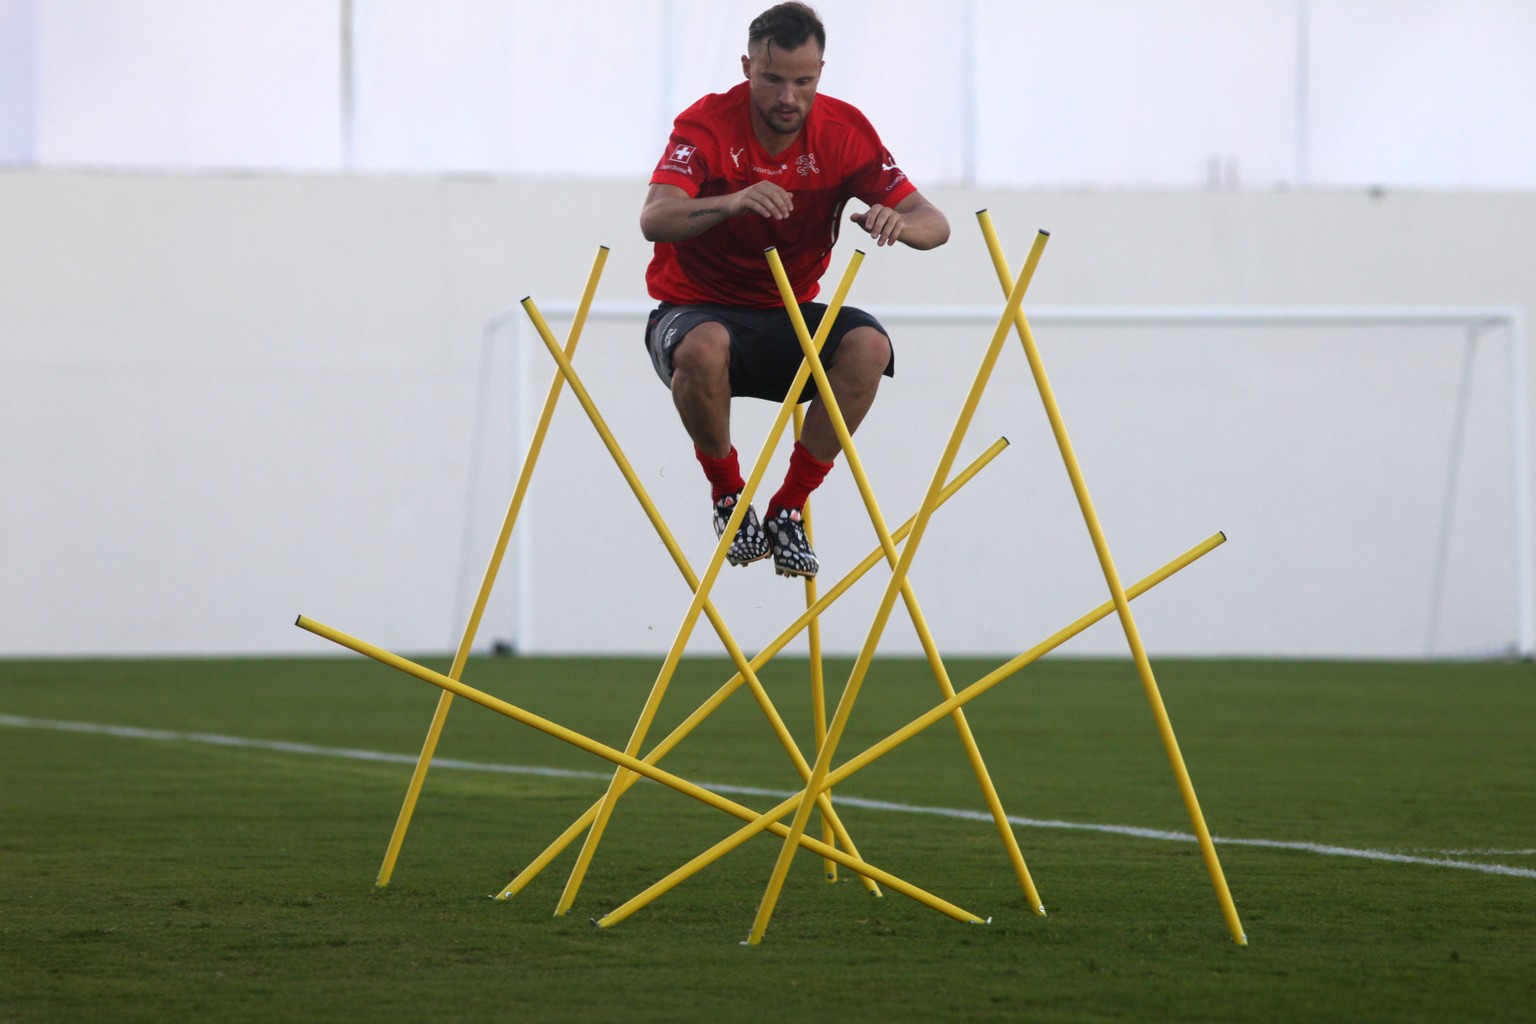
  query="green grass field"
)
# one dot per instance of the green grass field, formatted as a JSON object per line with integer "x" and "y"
{"x": 164, "y": 873}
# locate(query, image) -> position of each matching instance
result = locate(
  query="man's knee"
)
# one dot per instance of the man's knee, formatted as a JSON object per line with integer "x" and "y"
{"x": 865, "y": 352}
{"x": 704, "y": 352}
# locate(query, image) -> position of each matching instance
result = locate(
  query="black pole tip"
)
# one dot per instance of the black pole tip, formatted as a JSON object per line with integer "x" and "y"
{"x": 981, "y": 211}
{"x": 1044, "y": 232}
{"x": 603, "y": 247}
{"x": 1222, "y": 534}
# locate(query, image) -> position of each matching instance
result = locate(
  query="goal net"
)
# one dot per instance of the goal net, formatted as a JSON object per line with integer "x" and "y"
{"x": 1369, "y": 467}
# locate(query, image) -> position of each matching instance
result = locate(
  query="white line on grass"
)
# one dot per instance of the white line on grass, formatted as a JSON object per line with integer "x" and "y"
{"x": 1480, "y": 853}
{"x": 163, "y": 735}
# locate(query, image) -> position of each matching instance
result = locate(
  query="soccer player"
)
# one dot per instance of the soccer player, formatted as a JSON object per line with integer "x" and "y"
{"x": 769, "y": 163}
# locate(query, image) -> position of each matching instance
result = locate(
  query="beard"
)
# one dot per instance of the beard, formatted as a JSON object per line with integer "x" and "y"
{"x": 787, "y": 125}
{"x": 783, "y": 122}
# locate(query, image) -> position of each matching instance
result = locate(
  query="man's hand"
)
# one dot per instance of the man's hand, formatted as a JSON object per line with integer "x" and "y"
{"x": 883, "y": 224}
{"x": 763, "y": 198}
{"x": 913, "y": 221}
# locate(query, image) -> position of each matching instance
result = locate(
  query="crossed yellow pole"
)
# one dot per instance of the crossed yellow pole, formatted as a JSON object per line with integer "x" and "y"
{"x": 882, "y": 616}
{"x": 700, "y": 602}
{"x": 461, "y": 657}
{"x": 804, "y": 623}
{"x": 935, "y": 714}
{"x": 1117, "y": 593}
{"x": 623, "y": 760}
{"x": 837, "y": 847}
{"x": 757, "y": 823}
{"x": 818, "y": 677}
{"x": 909, "y": 598}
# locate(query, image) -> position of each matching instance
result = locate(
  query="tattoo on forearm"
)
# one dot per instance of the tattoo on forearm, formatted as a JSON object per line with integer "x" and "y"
{"x": 713, "y": 211}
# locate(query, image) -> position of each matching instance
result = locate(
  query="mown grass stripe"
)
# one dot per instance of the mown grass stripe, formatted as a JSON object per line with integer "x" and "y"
{"x": 284, "y": 746}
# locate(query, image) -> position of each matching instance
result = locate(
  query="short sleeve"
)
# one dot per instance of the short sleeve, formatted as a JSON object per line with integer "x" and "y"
{"x": 880, "y": 180}
{"x": 873, "y": 176}
{"x": 685, "y": 162}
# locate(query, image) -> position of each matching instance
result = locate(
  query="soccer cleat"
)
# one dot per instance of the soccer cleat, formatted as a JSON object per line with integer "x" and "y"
{"x": 750, "y": 543}
{"x": 792, "y": 554}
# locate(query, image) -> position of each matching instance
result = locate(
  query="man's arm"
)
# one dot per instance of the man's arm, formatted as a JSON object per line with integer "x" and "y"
{"x": 671, "y": 215}
{"x": 913, "y": 221}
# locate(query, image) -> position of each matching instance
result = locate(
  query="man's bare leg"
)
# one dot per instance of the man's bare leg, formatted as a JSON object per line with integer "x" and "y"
{"x": 854, "y": 376}
{"x": 855, "y": 373}
{"x": 701, "y": 391}
{"x": 701, "y": 387}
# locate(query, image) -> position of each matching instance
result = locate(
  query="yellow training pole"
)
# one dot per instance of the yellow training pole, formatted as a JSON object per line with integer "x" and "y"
{"x": 709, "y": 707}
{"x": 700, "y": 602}
{"x": 576, "y": 739}
{"x": 930, "y": 648}
{"x": 911, "y": 729}
{"x": 1025, "y": 659}
{"x": 914, "y": 611}
{"x": 898, "y": 575}
{"x": 735, "y": 652}
{"x": 440, "y": 716}
{"x": 1112, "y": 578}
{"x": 818, "y": 680}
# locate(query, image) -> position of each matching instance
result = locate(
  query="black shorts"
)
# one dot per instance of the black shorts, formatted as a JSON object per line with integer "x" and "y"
{"x": 765, "y": 354}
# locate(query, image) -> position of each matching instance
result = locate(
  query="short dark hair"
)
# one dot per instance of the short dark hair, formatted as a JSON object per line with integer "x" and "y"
{"x": 788, "y": 26}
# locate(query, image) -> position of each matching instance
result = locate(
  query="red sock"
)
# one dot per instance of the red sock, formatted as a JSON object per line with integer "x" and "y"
{"x": 724, "y": 473}
{"x": 804, "y": 476}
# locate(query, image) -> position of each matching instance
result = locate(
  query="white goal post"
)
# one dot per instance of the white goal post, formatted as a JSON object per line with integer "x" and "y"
{"x": 531, "y": 375}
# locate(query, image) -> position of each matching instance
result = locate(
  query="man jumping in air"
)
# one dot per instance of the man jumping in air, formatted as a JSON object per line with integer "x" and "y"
{"x": 769, "y": 164}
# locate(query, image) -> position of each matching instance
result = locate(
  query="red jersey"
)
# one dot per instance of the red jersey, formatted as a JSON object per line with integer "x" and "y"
{"x": 714, "y": 151}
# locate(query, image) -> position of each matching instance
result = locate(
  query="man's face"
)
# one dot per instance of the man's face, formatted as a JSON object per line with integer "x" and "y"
{"x": 783, "y": 84}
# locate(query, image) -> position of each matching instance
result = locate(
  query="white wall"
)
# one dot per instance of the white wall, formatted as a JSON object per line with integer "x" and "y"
{"x": 228, "y": 400}
{"x": 1016, "y": 93}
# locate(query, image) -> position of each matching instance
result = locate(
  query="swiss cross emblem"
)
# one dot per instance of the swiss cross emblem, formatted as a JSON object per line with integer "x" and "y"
{"x": 682, "y": 154}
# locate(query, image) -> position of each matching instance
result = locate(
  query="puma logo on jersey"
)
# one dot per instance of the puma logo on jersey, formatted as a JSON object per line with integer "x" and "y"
{"x": 736, "y": 157}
